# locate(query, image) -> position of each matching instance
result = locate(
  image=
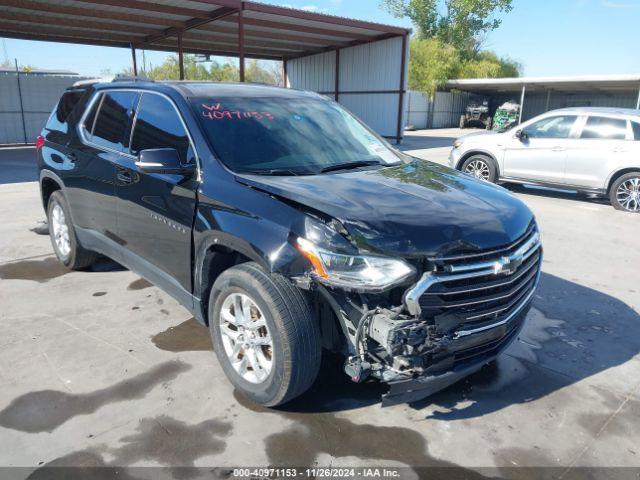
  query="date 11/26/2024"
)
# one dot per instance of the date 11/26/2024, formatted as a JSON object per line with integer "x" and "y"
{"x": 317, "y": 472}
{"x": 217, "y": 112}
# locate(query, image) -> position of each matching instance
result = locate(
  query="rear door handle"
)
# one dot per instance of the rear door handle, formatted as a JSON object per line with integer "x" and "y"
{"x": 124, "y": 177}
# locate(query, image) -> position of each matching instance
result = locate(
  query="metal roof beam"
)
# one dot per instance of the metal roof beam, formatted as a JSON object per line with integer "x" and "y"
{"x": 346, "y": 22}
{"x": 102, "y": 26}
{"x": 188, "y": 25}
{"x": 151, "y": 7}
{"x": 290, "y": 27}
{"x": 198, "y": 35}
{"x": 299, "y": 39}
{"x": 32, "y": 6}
{"x": 355, "y": 43}
{"x": 65, "y": 32}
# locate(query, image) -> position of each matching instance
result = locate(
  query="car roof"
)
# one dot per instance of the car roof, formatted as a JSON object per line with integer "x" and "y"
{"x": 191, "y": 89}
{"x": 601, "y": 111}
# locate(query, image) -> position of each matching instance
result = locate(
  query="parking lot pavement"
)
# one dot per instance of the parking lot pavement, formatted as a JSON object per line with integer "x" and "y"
{"x": 17, "y": 164}
{"x": 433, "y": 145}
{"x": 101, "y": 368}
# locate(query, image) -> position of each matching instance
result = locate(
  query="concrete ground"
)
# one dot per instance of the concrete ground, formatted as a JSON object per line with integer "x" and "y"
{"x": 100, "y": 368}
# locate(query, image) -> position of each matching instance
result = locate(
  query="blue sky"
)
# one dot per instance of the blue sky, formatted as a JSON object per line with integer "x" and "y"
{"x": 549, "y": 37}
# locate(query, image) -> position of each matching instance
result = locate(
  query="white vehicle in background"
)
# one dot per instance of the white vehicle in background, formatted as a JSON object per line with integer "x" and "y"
{"x": 593, "y": 150}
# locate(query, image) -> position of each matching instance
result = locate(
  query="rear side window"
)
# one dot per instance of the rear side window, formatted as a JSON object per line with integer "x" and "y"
{"x": 159, "y": 126}
{"x": 605, "y": 128}
{"x": 551, "y": 127}
{"x": 58, "y": 119}
{"x": 636, "y": 131}
{"x": 113, "y": 116}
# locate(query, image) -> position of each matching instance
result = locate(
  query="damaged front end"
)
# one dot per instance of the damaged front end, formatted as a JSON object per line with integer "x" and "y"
{"x": 464, "y": 309}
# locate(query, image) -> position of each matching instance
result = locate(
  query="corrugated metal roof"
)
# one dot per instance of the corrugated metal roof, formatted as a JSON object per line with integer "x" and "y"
{"x": 207, "y": 26}
{"x": 575, "y": 83}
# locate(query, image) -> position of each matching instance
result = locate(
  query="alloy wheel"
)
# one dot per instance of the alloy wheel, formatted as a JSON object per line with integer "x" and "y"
{"x": 479, "y": 169}
{"x": 628, "y": 194}
{"x": 60, "y": 230}
{"x": 246, "y": 338}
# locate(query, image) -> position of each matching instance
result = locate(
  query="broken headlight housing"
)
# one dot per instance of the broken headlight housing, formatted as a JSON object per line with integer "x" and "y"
{"x": 357, "y": 272}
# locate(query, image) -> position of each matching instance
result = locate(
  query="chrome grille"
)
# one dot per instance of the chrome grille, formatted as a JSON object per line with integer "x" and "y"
{"x": 467, "y": 294}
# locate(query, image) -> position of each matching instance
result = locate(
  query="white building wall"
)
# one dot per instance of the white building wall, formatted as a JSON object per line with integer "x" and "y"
{"x": 369, "y": 81}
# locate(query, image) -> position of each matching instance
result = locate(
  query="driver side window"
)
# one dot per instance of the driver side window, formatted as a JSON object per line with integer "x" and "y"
{"x": 551, "y": 127}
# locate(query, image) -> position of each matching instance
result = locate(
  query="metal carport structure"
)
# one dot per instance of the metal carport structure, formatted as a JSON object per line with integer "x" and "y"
{"x": 310, "y": 44}
{"x": 540, "y": 94}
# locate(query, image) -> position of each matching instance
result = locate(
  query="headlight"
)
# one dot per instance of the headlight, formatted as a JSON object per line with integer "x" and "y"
{"x": 366, "y": 272}
{"x": 457, "y": 144}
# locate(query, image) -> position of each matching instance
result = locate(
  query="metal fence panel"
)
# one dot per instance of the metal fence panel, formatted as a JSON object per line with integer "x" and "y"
{"x": 443, "y": 111}
{"x": 39, "y": 93}
{"x": 372, "y": 70}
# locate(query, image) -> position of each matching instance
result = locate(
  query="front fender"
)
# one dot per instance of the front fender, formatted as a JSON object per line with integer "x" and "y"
{"x": 263, "y": 240}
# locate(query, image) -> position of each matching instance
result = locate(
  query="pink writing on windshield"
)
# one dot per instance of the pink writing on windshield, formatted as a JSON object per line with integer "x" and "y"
{"x": 217, "y": 112}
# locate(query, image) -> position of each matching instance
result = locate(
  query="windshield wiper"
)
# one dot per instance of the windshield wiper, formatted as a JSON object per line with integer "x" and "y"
{"x": 349, "y": 165}
{"x": 276, "y": 172}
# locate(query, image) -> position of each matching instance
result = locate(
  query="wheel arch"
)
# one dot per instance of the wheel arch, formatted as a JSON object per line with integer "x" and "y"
{"x": 617, "y": 174}
{"x": 49, "y": 183}
{"x": 484, "y": 153}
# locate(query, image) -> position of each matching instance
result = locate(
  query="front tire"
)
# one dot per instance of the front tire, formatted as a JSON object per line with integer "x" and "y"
{"x": 264, "y": 333}
{"x": 63, "y": 235}
{"x": 625, "y": 193}
{"x": 481, "y": 167}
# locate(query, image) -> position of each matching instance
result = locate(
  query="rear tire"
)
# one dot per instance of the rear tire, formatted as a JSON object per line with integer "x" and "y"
{"x": 285, "y": 369}
{"x": 63, "y": 236}
{"x": 481, "y": 167}
{"x": 624, "y": 193}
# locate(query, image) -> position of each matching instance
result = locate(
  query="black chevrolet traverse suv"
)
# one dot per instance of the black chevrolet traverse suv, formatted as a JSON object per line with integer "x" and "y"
{"x": 287, "y": 226}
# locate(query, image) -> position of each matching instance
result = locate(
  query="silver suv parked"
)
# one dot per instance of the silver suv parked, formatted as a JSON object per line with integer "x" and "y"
{"x": 594, "y": 150}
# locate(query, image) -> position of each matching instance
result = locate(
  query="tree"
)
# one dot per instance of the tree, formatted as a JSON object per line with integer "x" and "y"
{"x": 433, "y": 62}
{"x": 461, "y": 23}
{"x": 255, "y": 72}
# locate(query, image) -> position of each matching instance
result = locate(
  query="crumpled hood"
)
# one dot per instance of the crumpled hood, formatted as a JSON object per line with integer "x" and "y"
{"x": 419, "y": 208}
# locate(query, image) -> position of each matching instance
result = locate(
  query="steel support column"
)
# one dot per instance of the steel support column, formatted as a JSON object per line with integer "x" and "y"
{"x": 337, "y": 88}
{"x": 180, "y": 57}
{"x": 403, "y": 66}
{"x": 638, "y": 102}
{"x": 548, "y": 101}
{"x": 524, "y": 90}
{"x": 285, "y": 83}
{"x": 135, "y": 63}
{"x": 241, "y": 42}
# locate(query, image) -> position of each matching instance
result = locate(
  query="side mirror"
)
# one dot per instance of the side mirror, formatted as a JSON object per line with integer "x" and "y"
{"x": 163, "y": 160}
{"x": 521, "y": 135}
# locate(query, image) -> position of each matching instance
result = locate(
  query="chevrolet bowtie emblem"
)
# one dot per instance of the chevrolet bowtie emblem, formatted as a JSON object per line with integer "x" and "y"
{"x": 506, "y": 265}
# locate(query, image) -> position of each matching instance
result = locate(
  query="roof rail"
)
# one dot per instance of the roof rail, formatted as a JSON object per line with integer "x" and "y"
{"x": 87, "y": 82}
{"x": 125, "y": 78}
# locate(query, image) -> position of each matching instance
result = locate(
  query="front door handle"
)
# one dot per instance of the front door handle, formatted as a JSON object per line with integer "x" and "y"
{"x": 124, "y": 177}
{"x": 557, "y": 149}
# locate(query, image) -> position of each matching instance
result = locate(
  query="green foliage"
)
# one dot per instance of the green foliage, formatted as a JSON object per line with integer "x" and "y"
{"x": 448, "y": 44}
{"x": 433, "y": 62}
{"x": 461, "y": 23}
{"x": 255, "y": 71}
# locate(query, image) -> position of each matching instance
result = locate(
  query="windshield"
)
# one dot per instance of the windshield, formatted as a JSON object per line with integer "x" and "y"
{"x": 288, "y": 136}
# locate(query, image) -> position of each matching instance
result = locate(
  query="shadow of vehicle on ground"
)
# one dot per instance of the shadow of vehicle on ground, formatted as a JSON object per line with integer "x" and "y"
{"x": 557, "y": 193}
{"x": 420, "y": 142}
{"x": 572, "y": 333}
